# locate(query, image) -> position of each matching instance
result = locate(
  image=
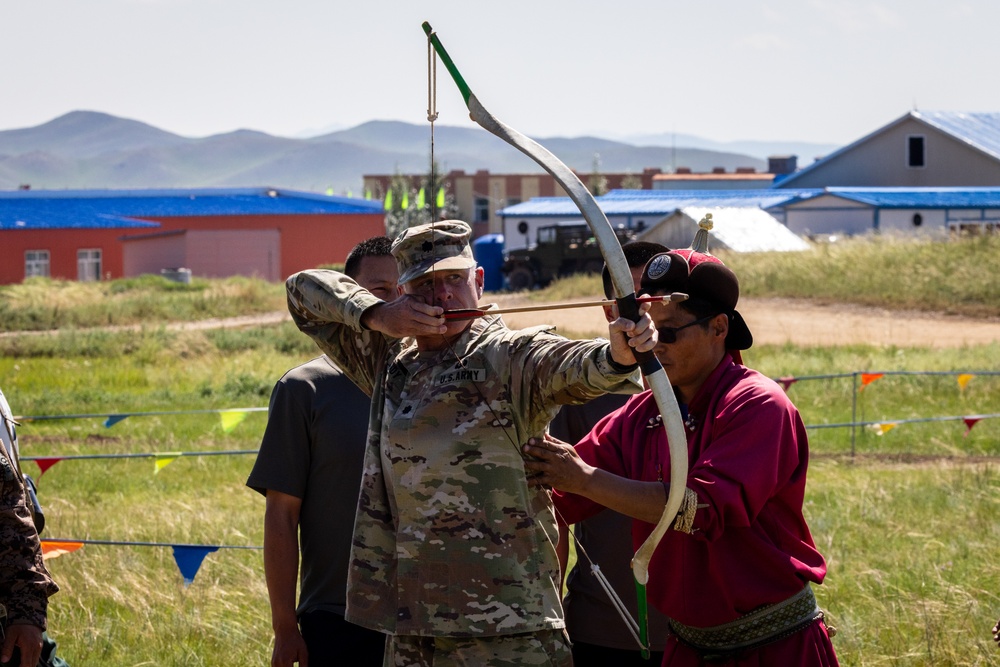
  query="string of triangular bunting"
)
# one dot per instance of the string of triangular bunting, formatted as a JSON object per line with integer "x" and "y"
{"x": 187, "y": 557}
{"x": 230, "y": 418}
{"x": 162, "y": 459}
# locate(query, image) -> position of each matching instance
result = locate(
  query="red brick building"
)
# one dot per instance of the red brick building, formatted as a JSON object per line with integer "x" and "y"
{"x": 105, "y": 234}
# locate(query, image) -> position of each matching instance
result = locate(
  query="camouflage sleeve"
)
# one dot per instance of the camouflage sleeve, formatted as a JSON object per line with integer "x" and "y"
{"x": 327, "y": 306}
{"x": 25, "y": 585}
{"x": 552, "y": 371}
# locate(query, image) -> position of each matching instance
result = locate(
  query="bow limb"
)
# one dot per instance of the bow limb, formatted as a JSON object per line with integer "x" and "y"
{"x": 621, "y": 277}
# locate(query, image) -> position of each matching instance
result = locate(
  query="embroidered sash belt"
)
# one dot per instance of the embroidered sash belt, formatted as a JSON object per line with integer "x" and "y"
{"x": 762, "y": 626}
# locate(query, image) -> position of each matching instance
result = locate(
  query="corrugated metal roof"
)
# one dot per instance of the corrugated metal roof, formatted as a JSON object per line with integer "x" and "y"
{"x": 657, "y": 202}
{"x": 982, "y": 197}
{"x": 40, "y": 218}
{"x": 52, "y": 209}
{"x": 981, "y": 130}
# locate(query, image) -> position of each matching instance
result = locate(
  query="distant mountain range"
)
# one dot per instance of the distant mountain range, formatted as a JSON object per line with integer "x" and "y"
{"x": 86, "y": 149}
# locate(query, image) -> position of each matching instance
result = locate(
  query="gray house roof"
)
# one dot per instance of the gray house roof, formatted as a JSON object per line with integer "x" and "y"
{"x": 979, "y": 131}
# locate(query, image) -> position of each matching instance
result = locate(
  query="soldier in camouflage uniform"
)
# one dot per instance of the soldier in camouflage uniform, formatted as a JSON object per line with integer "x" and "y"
{"x": 454, "y": 554}
{"x": 25, "y": 585}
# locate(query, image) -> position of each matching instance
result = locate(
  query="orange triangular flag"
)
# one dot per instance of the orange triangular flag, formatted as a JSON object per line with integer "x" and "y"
{"x": 56, "y": 549}
{"x": 969, "y": 423}
{"x": 963, "y": 380}
{"x": 868, "y": 378}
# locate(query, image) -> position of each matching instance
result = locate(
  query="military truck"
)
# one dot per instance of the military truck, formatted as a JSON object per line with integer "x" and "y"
{"x": 560, "y": 250}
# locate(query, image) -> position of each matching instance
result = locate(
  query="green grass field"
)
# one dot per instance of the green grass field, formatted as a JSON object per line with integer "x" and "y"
{"x": 910, "y": 525}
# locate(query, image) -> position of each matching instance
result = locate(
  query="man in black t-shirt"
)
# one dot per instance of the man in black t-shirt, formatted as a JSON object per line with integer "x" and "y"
{"x": 309, "y": 468}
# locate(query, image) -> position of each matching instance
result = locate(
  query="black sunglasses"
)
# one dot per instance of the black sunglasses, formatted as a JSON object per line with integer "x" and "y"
{"x": 668, "y": 335}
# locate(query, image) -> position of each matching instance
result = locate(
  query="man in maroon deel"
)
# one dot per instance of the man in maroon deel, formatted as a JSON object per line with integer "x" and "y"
{"x": 734, "y": 574}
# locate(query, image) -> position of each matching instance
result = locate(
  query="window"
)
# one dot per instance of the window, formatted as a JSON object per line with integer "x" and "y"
{"x": 547, "y": 235}
{"x": 36, "y": 263}
{"x": 482, "y": 212}
{"x": 915, "y": 157}
{"x": 88, "y": 265}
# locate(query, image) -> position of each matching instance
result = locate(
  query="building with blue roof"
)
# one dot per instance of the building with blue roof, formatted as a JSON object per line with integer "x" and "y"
{"x": 99, "y": 234}
{"x": 919, "y": 149}
{"x": 665, "y": 216}
{"x": 924, "y": 211}
{"x": 639, "y": 210}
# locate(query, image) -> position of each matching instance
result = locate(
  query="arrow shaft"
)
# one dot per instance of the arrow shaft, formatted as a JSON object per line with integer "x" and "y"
{"x": 472, "y": 313}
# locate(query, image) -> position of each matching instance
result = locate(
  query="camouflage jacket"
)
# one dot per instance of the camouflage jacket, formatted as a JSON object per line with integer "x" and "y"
{"x": 25, "y": 584}
{"x": 449, "y": 538}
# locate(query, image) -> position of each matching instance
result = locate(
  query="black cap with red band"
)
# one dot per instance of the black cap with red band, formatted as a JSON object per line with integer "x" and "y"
{"x": 706, "y": 280}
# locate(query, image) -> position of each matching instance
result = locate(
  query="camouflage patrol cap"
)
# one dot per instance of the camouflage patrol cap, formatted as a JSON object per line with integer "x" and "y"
{"x": 434, "y": 246}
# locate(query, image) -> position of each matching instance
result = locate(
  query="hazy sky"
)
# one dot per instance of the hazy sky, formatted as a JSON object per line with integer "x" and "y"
{"x": 827, "y": 71}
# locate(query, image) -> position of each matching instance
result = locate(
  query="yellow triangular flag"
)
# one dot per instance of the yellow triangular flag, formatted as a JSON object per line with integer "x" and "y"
{"x": 405, "y": 202}
{"x": 368, "y": 193}
{"x": 165, "y": 459}
{"x": 56, "y": 549}
{"x": 349, "y": 193}
{"x": 388, "y": 201}
{"x": 963, "y": 380}
{"x": 329, "y": 191}
{"x": 882, "y": 429}
{"x": 231, "y": 419}
{"x": 440, "y": 197}
{"x": 420, "y": 199}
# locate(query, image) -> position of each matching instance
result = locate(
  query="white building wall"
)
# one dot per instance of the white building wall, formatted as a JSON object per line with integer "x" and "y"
{"x": 932, "y": 221}
{"x": 810, "y": 222}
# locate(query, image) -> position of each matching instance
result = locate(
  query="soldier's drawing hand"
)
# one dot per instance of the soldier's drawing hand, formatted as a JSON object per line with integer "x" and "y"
{"x": 406, "y": 316}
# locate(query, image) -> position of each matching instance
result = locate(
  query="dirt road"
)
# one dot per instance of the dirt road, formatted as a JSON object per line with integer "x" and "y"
{"x": 774, "y": 321}
{"x": 777, "y": 321}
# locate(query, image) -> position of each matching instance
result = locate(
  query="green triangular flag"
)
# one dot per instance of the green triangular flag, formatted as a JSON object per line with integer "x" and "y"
{"x": 388, "y": 200}
{"x": 405, "y": 203}
{"x": 420, "y": 199}
{"x": 329, "y": 191}
{"x": 440, "y": 197}
{"x": 368, "y": 193}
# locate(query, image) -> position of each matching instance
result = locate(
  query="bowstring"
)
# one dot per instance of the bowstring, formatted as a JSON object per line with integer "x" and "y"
{"x": 595, "y": 569}
{"x": 432, "y": 115}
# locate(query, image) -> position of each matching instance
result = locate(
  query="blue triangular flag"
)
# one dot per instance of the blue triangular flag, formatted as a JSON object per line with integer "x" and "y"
{"x": 189, "y": 560}
{"x": 114, "y": 419}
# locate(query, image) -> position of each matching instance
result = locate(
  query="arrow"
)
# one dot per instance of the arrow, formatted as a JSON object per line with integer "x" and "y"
{"x": 472, "y": 313}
